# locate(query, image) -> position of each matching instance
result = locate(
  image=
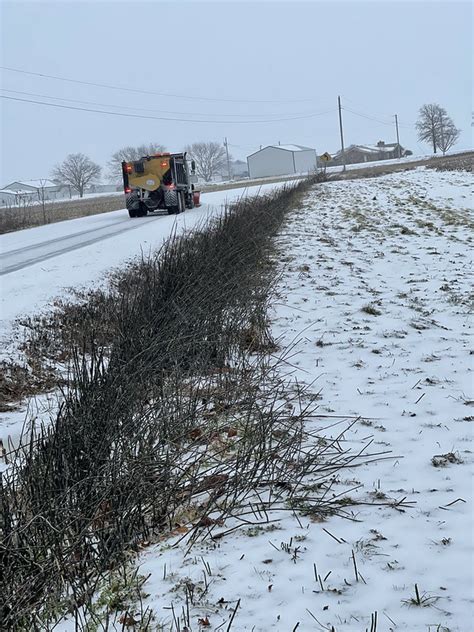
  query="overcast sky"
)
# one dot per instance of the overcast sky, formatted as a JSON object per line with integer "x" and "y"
{"x": 233, "y": 62}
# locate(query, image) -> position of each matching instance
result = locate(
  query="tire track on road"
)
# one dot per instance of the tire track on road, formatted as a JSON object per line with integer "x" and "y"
{"x": 7, "y": 266}
{"x": 49, "y": 242}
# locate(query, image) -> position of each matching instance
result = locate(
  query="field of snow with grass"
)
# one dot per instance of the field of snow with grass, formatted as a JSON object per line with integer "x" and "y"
{"x": 374, "y": 302}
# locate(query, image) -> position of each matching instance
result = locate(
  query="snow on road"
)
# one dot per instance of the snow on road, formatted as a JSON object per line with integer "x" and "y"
{"x": 376, "y": 291}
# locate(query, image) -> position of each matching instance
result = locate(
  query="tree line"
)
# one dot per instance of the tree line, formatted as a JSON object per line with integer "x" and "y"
{"x": 78, "y": 171}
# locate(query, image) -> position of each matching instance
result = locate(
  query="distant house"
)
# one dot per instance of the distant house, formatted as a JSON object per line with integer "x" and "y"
{"x": 239, "y": 169}
{"x": 16, "y": 198}
{"x": 279, "y": 160}
{"x": 368, "y": 153}
{"x": 103, "y": 188}
{"x": 28, "y": 191}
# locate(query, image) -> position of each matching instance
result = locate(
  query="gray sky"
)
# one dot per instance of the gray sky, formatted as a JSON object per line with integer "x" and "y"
{"x": 235, "y": 62}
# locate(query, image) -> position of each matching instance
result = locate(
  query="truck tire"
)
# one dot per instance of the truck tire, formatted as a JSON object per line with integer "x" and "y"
{"x": 142, "y": 210}
{"x": 181, "y": 202}
{"x": 171, "y": 201}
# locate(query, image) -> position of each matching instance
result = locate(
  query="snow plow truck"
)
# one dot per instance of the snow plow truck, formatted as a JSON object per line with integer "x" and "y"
{"x": 160, "y": 182}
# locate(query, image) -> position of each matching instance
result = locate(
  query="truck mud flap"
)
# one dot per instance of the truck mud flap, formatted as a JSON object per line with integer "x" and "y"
{"x": 132, "y": 201}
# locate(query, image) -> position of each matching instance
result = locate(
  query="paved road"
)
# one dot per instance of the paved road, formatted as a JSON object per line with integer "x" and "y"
{"x": 19, "y": 258}
{"x": 22, "y": 249}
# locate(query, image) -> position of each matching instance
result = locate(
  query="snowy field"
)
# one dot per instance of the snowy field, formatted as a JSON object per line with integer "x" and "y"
{"x": 375, "y": 298}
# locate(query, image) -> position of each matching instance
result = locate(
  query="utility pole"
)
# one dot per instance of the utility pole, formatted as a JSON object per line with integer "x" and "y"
{"x": 227, "y": 153}
{"x": 398, "y": 137}
{"x": 342, "y": 135}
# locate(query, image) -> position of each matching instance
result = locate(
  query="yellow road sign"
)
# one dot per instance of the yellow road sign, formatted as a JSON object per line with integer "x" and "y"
{"x": 326, "y": 157}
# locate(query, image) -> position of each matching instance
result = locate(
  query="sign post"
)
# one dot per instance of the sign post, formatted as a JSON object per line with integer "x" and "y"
{"x": 326, "y": 157}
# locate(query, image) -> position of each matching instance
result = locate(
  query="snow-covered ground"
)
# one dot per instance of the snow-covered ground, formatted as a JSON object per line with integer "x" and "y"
{"x": 375, "y": 289}
{"x": 375, "y": 297}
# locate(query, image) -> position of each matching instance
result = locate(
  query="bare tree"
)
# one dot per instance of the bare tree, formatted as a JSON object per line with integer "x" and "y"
{"x": 427, "y": 124}
{"x": 436, "y": 127}
{"x": 77, "y": 170}
{"x": 448, "y": 133}
{"x": 128, "y": 154}
{"x": 210, "y": 158}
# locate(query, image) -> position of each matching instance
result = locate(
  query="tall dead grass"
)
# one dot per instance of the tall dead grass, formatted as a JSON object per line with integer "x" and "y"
{"x": 174, "y": 414}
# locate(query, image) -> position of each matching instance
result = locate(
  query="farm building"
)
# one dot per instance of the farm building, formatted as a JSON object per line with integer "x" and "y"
{"x": 368, "y": 153}
{"x": 279, "y": 160}
{"x": 31, "y": 191}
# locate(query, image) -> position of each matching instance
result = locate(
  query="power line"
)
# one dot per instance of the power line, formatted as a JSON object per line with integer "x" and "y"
{"x": 208, "y": 99}
{"x": 367, "y": 116}
{"x": 383, "y": 114}
{"x": 125, "y": 107}
{"x": 137, "y": 91}
{"x": 243, "y": 146}
{"x": 373, "y": 118}
{"x": 377, "y": 114}
{"x": 155, "y": 118}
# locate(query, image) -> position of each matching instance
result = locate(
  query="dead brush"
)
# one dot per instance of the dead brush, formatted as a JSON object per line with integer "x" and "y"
{"x": 168, "y": 418}
{"x": 83, "y": 320}
{"x": 20, "y": 381}
{"x": 254, "y": 340}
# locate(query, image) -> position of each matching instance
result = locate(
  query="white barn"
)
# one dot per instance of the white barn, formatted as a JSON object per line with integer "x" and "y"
{"x": 32, "y": 191}
{"x": 280, "y": 160}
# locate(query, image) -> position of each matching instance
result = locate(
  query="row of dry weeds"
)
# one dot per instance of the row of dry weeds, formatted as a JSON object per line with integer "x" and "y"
{"x": 30, "y": 215}
{"x": 174, "y": 415}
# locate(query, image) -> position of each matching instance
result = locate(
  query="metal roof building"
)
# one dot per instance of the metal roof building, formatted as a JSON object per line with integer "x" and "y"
{"x": 279, "y": 160}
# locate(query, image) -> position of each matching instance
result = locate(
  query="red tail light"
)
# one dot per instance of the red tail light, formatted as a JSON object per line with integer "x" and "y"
{"x": 128, "y": 168}
{"x": 128, "y": 190}
{"x": 164, "y": 163}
